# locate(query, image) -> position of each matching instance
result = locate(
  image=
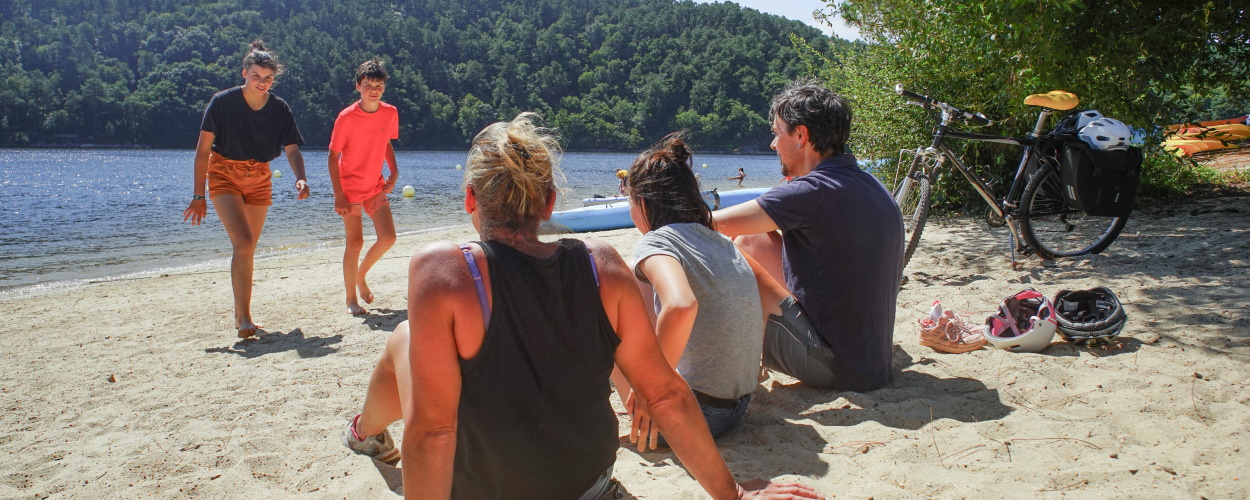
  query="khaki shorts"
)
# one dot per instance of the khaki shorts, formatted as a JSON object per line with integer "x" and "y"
{"x": 369, "y": 206}
{"x": 249, "y": 179}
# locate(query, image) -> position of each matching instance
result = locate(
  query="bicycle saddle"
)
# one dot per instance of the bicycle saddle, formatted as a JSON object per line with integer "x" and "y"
{"x": 1055, "y": 99}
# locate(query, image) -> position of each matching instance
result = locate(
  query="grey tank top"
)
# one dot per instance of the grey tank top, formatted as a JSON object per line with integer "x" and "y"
{"x": 722, "y": 357}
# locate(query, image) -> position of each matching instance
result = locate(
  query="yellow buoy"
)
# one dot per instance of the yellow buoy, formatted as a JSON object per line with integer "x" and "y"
{"x": 277, "y": 174}
{"x": 704, "y": 165}
{"x": 409, "y": 192}
{"x": 458, "y": 167}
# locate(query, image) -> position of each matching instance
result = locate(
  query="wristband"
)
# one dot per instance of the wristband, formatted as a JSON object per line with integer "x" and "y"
{"x": 197, "y": 197}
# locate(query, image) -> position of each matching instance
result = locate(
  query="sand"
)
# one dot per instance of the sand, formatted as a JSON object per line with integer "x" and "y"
{"x": 138, "y": 388}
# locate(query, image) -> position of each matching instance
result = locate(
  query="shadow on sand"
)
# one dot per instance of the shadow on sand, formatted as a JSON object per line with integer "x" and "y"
{"x": 773, "y": 424}
{"x": 266, "y": 342}
{"x": 394, "y": 477}
{"x": 384, "y": 319}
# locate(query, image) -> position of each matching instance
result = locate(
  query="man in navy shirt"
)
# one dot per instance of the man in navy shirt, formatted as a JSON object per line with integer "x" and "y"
{"x": 839, "y": 252}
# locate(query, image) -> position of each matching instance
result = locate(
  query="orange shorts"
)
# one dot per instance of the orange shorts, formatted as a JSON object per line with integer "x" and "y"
{"x": 248, "y": 178}
{"x": 369, "y": 206}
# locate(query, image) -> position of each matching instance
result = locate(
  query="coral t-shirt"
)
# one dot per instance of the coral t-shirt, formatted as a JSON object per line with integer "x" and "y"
{"x": 362, "y": 139}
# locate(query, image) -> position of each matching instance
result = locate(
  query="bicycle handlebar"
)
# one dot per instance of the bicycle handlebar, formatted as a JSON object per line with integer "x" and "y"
{"x": 927, "y": 102}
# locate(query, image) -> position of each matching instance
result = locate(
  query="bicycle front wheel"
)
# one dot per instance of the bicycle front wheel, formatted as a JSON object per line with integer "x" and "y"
{"x": 1056, "y": 229}
{"x": 913, "y": 202}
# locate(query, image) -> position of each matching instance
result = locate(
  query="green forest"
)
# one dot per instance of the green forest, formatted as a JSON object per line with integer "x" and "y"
{"x": 608, "y": 74}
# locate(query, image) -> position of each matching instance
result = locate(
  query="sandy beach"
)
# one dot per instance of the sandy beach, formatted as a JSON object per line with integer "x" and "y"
{"x": 139, "y": 388}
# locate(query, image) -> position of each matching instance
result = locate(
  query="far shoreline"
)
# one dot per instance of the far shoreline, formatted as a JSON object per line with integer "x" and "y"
{"x": 92, "y": 146}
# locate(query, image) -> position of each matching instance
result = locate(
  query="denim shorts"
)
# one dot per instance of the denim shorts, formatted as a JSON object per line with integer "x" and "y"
{"x": 605, "y": 488}
{"x": 720, "y": 417}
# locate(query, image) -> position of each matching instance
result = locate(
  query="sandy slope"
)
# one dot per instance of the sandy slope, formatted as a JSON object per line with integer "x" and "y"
{"x": 192, "y": 413}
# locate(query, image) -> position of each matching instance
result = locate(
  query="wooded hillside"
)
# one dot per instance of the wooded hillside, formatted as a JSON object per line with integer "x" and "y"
{"x": 610, "y": 74}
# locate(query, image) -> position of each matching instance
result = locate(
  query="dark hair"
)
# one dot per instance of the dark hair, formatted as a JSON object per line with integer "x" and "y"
{"x": 826, "y": 114}
{"x": 513, "y": 168}
{"x": 260, "y": 55}
{"x": 662, "y": 179}
{"x": 373, "y": 70}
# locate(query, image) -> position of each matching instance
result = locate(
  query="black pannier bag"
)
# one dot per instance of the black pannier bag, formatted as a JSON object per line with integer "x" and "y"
{"x": 1099, "y": 183}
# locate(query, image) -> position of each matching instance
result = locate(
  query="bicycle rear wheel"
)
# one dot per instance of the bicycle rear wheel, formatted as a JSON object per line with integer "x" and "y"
{"x": 1056, "y": 229}
{"x": 913, "y": 201}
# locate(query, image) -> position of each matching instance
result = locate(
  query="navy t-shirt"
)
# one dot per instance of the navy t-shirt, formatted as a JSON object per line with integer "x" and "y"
{"x": 843, "y": 260}
{"x": 244, "y": 134}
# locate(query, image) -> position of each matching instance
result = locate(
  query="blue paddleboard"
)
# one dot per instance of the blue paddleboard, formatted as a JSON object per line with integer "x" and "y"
{"x": 615, "y": 215}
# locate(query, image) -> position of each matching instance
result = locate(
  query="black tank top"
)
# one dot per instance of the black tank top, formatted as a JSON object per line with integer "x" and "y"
{"x": 534, "y": 418}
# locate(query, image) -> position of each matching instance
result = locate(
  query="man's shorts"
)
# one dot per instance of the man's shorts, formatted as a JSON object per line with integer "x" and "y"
{"x": 369, "y": 206}
{"x": 249, "y": 179}
{"x": 793, "y": 346}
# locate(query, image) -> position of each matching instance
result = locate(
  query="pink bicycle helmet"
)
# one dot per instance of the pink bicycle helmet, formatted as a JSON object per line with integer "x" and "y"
{"x": 1024, "y": 322}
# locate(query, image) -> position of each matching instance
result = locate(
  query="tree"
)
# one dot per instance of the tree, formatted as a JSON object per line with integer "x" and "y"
{"x": 140, "y": 71}
{"x": 1128, "y": 59}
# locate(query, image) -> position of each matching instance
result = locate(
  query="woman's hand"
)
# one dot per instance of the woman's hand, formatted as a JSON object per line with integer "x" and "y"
{"x": 642, "y": 431}
{"x": 195, "y": 211}
{"x": 301, "y": 187}
{"x": 760, "y": 488}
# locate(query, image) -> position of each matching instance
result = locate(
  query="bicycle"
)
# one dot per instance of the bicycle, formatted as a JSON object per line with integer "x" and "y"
{"x": 1040, "y": 218}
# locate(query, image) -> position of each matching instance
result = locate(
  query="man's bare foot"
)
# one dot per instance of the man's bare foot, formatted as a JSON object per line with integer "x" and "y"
{"x": 355, "y": 309}
{"x": 246, "y": 328}
{"x": 362, "y": 289}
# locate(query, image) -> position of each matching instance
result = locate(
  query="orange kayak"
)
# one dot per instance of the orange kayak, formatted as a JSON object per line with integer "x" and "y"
{"x": 1227, "y": 121}
{"x": 1228, "y": 132}
{"x": 1186, "y": 147}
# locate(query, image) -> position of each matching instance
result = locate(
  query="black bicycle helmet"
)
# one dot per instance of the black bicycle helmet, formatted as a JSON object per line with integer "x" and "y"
{"x": 1089, "y": 317}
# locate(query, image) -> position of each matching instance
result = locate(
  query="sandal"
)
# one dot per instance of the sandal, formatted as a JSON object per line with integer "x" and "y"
{"x": 945, "y": 331}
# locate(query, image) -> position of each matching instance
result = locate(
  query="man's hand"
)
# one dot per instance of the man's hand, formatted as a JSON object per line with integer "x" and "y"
{"x": 390, "y": 184}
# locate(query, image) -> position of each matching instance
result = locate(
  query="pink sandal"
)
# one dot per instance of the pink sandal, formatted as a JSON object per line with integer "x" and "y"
{"x": 945, "y": 331}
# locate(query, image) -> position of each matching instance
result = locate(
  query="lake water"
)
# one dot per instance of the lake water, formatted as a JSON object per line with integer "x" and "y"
{"x": 72, "y": 216}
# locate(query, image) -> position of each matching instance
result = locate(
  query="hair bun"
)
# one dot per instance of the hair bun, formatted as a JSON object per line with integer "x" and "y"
{"x": 678, "y": 151}
{"x": 259, "y": 45}
{"x": 512, "y": 170}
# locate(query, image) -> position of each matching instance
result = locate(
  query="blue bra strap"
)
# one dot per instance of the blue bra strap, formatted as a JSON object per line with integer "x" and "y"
{"x": 593, "y": 268}
{"x": 477, "y": 281}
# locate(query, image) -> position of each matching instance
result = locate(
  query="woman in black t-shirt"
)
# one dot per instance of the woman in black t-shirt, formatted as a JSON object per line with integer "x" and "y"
{"x": 244, "y": 128}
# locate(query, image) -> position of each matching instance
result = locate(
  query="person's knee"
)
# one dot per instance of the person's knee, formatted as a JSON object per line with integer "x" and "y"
{"x": 355, "y": 242}
{"x": 385, "y": 240}
{"x": 397, "y": 343}
{"x": 759, "y": 244}
{"x": 244, "y": 247}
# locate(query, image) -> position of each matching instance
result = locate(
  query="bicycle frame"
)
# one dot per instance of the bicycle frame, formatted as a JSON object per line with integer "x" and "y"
{"x": 1006, "y": 208}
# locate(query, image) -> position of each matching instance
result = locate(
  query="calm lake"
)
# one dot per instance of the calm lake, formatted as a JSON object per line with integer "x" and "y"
{"x": 72, "y": 216}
